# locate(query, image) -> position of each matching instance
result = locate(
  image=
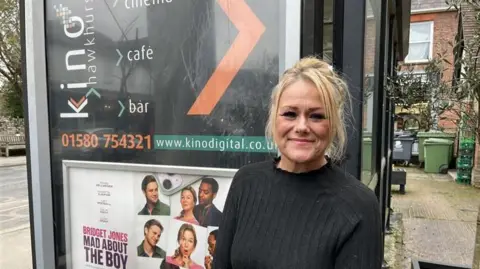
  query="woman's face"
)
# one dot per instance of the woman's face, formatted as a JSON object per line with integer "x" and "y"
{"x": 301, "y": 129}
{"x": 187, "y": 243}
{"x": 187, "y": 200}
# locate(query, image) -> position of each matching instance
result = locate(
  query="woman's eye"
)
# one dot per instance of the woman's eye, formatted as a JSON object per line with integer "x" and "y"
{"x": 318, "y": 116}
{"x": 289, "y": 114}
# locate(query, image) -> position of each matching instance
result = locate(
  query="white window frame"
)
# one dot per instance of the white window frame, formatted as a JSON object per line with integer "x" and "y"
{"x": 430, "y": 54}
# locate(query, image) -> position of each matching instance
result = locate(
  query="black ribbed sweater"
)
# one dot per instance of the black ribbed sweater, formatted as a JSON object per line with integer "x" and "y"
{"x": 319, "y": 219}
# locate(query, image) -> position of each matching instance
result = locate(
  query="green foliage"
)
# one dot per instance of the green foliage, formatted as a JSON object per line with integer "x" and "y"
{"x": 12, "y": 101}
{"x": 10, "y": 58}
{"x": 426, "y": 92}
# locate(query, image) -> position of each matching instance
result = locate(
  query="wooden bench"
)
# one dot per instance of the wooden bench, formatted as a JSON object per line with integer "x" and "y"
{"x": 11, "y": 142}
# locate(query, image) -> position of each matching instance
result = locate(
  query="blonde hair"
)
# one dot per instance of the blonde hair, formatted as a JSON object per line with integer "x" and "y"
{"x": 333, "y": 93}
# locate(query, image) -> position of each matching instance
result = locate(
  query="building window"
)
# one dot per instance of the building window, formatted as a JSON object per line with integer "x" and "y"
{"x": 421, "y": 42}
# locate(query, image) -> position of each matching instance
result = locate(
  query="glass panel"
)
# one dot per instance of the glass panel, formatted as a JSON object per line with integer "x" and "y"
{"x": 328, "y": 30}
{"x": 327, "y": 42}
{"x": 368, "y": 87}
{"x": 328, "y": 11}
{"x": 418, "y": 51}
{"x": 420, "y": 32}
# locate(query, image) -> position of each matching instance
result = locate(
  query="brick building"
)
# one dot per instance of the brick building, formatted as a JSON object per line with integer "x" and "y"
{"x": 433, "y": 29}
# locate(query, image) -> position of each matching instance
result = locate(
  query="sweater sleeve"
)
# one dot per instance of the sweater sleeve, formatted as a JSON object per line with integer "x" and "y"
{"x": 361, "y": 247}
{"x": 227, "y": 227}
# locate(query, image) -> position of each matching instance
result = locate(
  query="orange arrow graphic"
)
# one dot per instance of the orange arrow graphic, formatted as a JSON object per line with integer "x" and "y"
{"x": 250, "y": 29}
{"x": 77, "y": 105}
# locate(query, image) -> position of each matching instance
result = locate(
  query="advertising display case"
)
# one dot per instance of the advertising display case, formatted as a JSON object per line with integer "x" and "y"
{"x": 140, "y": 112}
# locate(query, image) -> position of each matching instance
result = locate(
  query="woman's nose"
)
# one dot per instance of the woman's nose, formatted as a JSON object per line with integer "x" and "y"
{"x": 301, "y": 124}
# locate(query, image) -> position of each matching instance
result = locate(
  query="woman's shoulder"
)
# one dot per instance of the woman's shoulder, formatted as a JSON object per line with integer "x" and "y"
{"x": 252, "y": 172}
{"x": 356, "y": 197}
{"x": 255, "y": 167}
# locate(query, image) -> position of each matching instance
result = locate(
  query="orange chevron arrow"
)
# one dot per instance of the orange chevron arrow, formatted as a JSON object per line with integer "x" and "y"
{"x": 250, "y": 29}
{"x": 77, "y": 105}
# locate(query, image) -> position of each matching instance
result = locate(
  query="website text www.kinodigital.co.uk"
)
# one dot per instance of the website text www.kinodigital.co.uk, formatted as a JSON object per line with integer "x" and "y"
{"x": 214, "y": 143}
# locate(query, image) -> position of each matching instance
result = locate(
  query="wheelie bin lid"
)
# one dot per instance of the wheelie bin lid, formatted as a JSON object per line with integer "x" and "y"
{"x": 435, "y": 134}
{"x": 437, "y": 141}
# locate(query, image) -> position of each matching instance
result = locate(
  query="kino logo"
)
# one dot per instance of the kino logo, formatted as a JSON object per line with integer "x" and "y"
{"x": 74, "y": 27}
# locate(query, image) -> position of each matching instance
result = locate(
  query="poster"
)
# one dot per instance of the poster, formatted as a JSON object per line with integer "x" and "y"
{"x": 152, "y": 83}
{"x": 124, "y": 216}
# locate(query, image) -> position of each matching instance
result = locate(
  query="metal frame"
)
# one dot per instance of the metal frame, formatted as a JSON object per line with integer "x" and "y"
{"x": 129, "y": 167}
{"x": 349, "y": 53}
{"x": 379, "y": 95}
{"x": 39, "y": 161}
{"x": 390, "y": 123}
{"x": 378, "y": 140}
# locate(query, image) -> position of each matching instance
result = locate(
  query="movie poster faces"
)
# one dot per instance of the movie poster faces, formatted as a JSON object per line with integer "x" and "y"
{"x": 159, "y": 220}
{"x": 197, "y": 212}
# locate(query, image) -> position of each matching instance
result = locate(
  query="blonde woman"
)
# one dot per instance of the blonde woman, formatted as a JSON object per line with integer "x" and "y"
{"x": 300, "y": 210}
{"x": 188, "y": 200}
{"x": 187, "y": 242}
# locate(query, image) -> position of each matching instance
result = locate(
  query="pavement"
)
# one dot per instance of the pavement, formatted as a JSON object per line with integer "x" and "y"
{"x": 14, "y": 215}
{"x": 435, "y": 220}
{"x": 13, "y": 161}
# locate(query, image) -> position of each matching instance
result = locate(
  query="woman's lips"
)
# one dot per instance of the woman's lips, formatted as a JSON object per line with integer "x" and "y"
{"x": 301, "y": 140}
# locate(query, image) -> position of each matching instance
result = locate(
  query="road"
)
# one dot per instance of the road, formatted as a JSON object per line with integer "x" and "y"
{"x": 15, "y": 247}
{"x": 13, "y": 198}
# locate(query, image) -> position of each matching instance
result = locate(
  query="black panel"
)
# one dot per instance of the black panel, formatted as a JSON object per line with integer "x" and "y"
{"x": 188, "y": 39}
{"x": 348, "y": 54}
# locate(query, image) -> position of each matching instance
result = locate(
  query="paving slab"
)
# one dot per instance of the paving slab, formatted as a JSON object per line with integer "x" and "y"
{"x": 13, "y": 161}
{"x": 15, "y": 251}
{"x": 439, "y": 218}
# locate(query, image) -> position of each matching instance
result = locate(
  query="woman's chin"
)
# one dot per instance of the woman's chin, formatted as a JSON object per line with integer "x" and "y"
{"x": 301, "y": 157}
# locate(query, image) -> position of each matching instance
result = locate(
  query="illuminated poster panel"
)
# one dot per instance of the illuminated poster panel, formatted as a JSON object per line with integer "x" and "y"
{"x": 176, "y": 82}
{"x": 153, "y": 105}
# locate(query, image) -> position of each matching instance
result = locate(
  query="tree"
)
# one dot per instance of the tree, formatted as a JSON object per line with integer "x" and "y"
{"x": 10, "y": 58}
{"x": 426, "y": 93}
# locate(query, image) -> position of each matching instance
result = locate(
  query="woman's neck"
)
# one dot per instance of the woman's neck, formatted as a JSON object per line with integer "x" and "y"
{"x": 188, "y": 214}
{"x": 295, "y": 167}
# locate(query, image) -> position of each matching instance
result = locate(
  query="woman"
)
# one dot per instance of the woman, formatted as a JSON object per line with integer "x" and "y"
{"x": 187, "y": 241}
{"x": 300, "y": 210}
{"x": 188, "y": 200}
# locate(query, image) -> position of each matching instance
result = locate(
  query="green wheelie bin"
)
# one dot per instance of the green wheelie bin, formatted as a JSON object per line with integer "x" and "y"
{"x": 422, "y": 136}
{"x": 437, "y": 155}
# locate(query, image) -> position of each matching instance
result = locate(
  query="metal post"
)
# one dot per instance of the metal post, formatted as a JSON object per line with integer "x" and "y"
{"x": 38, "y": 149}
